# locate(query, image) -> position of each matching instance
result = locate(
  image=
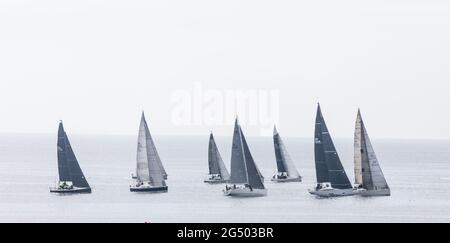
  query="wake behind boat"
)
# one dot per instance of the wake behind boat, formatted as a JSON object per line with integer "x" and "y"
{"x": 218, "y": 173}
{"x": 150, "y": 174}
{"x": 369, "y": 178}
{"x": 332, "y": 181}
{"x": 245, "y": 176}
{"x": 285, "y": 166}
{"x": 71, "y": 177}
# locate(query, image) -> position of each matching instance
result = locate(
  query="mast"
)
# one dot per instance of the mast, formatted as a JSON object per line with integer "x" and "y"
{"x": 284, "y": 161}
{"x": 68, "y": 166}
{"x": 326, "y": 152}
{"x": 216, "y": 164}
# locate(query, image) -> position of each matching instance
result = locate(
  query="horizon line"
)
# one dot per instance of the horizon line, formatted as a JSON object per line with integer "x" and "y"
{"x": 208, "y": 134}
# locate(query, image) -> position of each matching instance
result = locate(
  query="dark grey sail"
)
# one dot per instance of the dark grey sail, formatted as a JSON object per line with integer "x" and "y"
{"x": 216, "y": 164}
{"x": 281, "y": 167}
{"x": 284, "y": 161}
{"x": 319, "y": 151}
{"x": 68, "y": 167}
{"x": 328, "y": 165}
{"x": 238, "y": 165}
{"x": 255, "y": 178}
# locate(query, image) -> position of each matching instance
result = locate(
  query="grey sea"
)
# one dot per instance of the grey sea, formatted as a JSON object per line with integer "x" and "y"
{"x": 418, "y": 173}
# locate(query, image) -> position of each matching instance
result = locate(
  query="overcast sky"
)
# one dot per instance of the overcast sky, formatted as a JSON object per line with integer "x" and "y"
{"x": 97, "y": 64}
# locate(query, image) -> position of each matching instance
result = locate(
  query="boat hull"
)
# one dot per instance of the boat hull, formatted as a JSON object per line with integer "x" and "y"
{"x": 215, "y": 181}
{"x": 375, "y": 193}
{"x": 149, "y": 189}
{"x": 245, "y": 192}
{"x": 299, "y": 179}
{"x": 333, "y": 192}
{"x": 71, "y": 191}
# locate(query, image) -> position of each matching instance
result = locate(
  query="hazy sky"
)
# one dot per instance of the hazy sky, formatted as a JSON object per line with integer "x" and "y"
{"x": 97, "y": 64}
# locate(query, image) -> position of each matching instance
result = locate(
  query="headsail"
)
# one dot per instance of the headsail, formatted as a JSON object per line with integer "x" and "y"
{"x": 255, "y": 178}
{"x": 68, "y": 167}
{"x": 154, "y": 152}
{"x": 284, "y": 161}
{"x": 216, "y": 164}
{"x": 328, "y": 165}
{"x": 149, "y": 166}
{"x": 369, "y": 172}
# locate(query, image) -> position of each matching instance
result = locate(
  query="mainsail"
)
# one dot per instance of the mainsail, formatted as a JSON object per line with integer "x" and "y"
{"x": 68, "y": 167}
{"x": 243, "y": 167}
{"x": 358, "y": 156}
{"x": 284, "y": 161}
{"x": 216, "y": 164}
{"x": 149, "y": 166}
{"x": 328, "y": 165}
{"x": 238, "y": 165}
{"x": 368, "y": 172}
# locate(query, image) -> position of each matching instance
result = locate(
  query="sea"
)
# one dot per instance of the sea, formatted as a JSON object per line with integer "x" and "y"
{"x": 418, "y": 172}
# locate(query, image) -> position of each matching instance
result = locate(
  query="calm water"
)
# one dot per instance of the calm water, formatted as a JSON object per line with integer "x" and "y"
{"x": 417, "y": 171}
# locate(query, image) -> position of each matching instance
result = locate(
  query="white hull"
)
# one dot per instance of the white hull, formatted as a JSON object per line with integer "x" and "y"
{"x": 299, "y": 179}
{"x": 332, "y": 192}
{"x": 71, "y": 190}
{"x": 245, "y": 192}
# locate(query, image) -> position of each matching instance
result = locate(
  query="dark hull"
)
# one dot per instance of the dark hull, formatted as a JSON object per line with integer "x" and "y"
{"x": 71, "y": 191}
{"x": 149, "y": 189}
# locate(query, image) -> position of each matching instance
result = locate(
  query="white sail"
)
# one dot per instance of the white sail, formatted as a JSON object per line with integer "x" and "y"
{"x": 152, "y": 148}
{"x": 142, "y": 170}
{"x": 358, "y": 148}
{"x": 148, "y": 162}
{"x": 371, "y": 173}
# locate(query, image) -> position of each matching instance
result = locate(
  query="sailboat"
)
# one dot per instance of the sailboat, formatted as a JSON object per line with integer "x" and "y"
{"x": 245, "y": 176}
{"x": 218, "y": 173}
{"x": 369, "y": 178}
{"x": 286, "y": 168}
{"x": 332, "y": 181}
{"x": 71, "y": 177}
{"x": 150, "y": 173}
